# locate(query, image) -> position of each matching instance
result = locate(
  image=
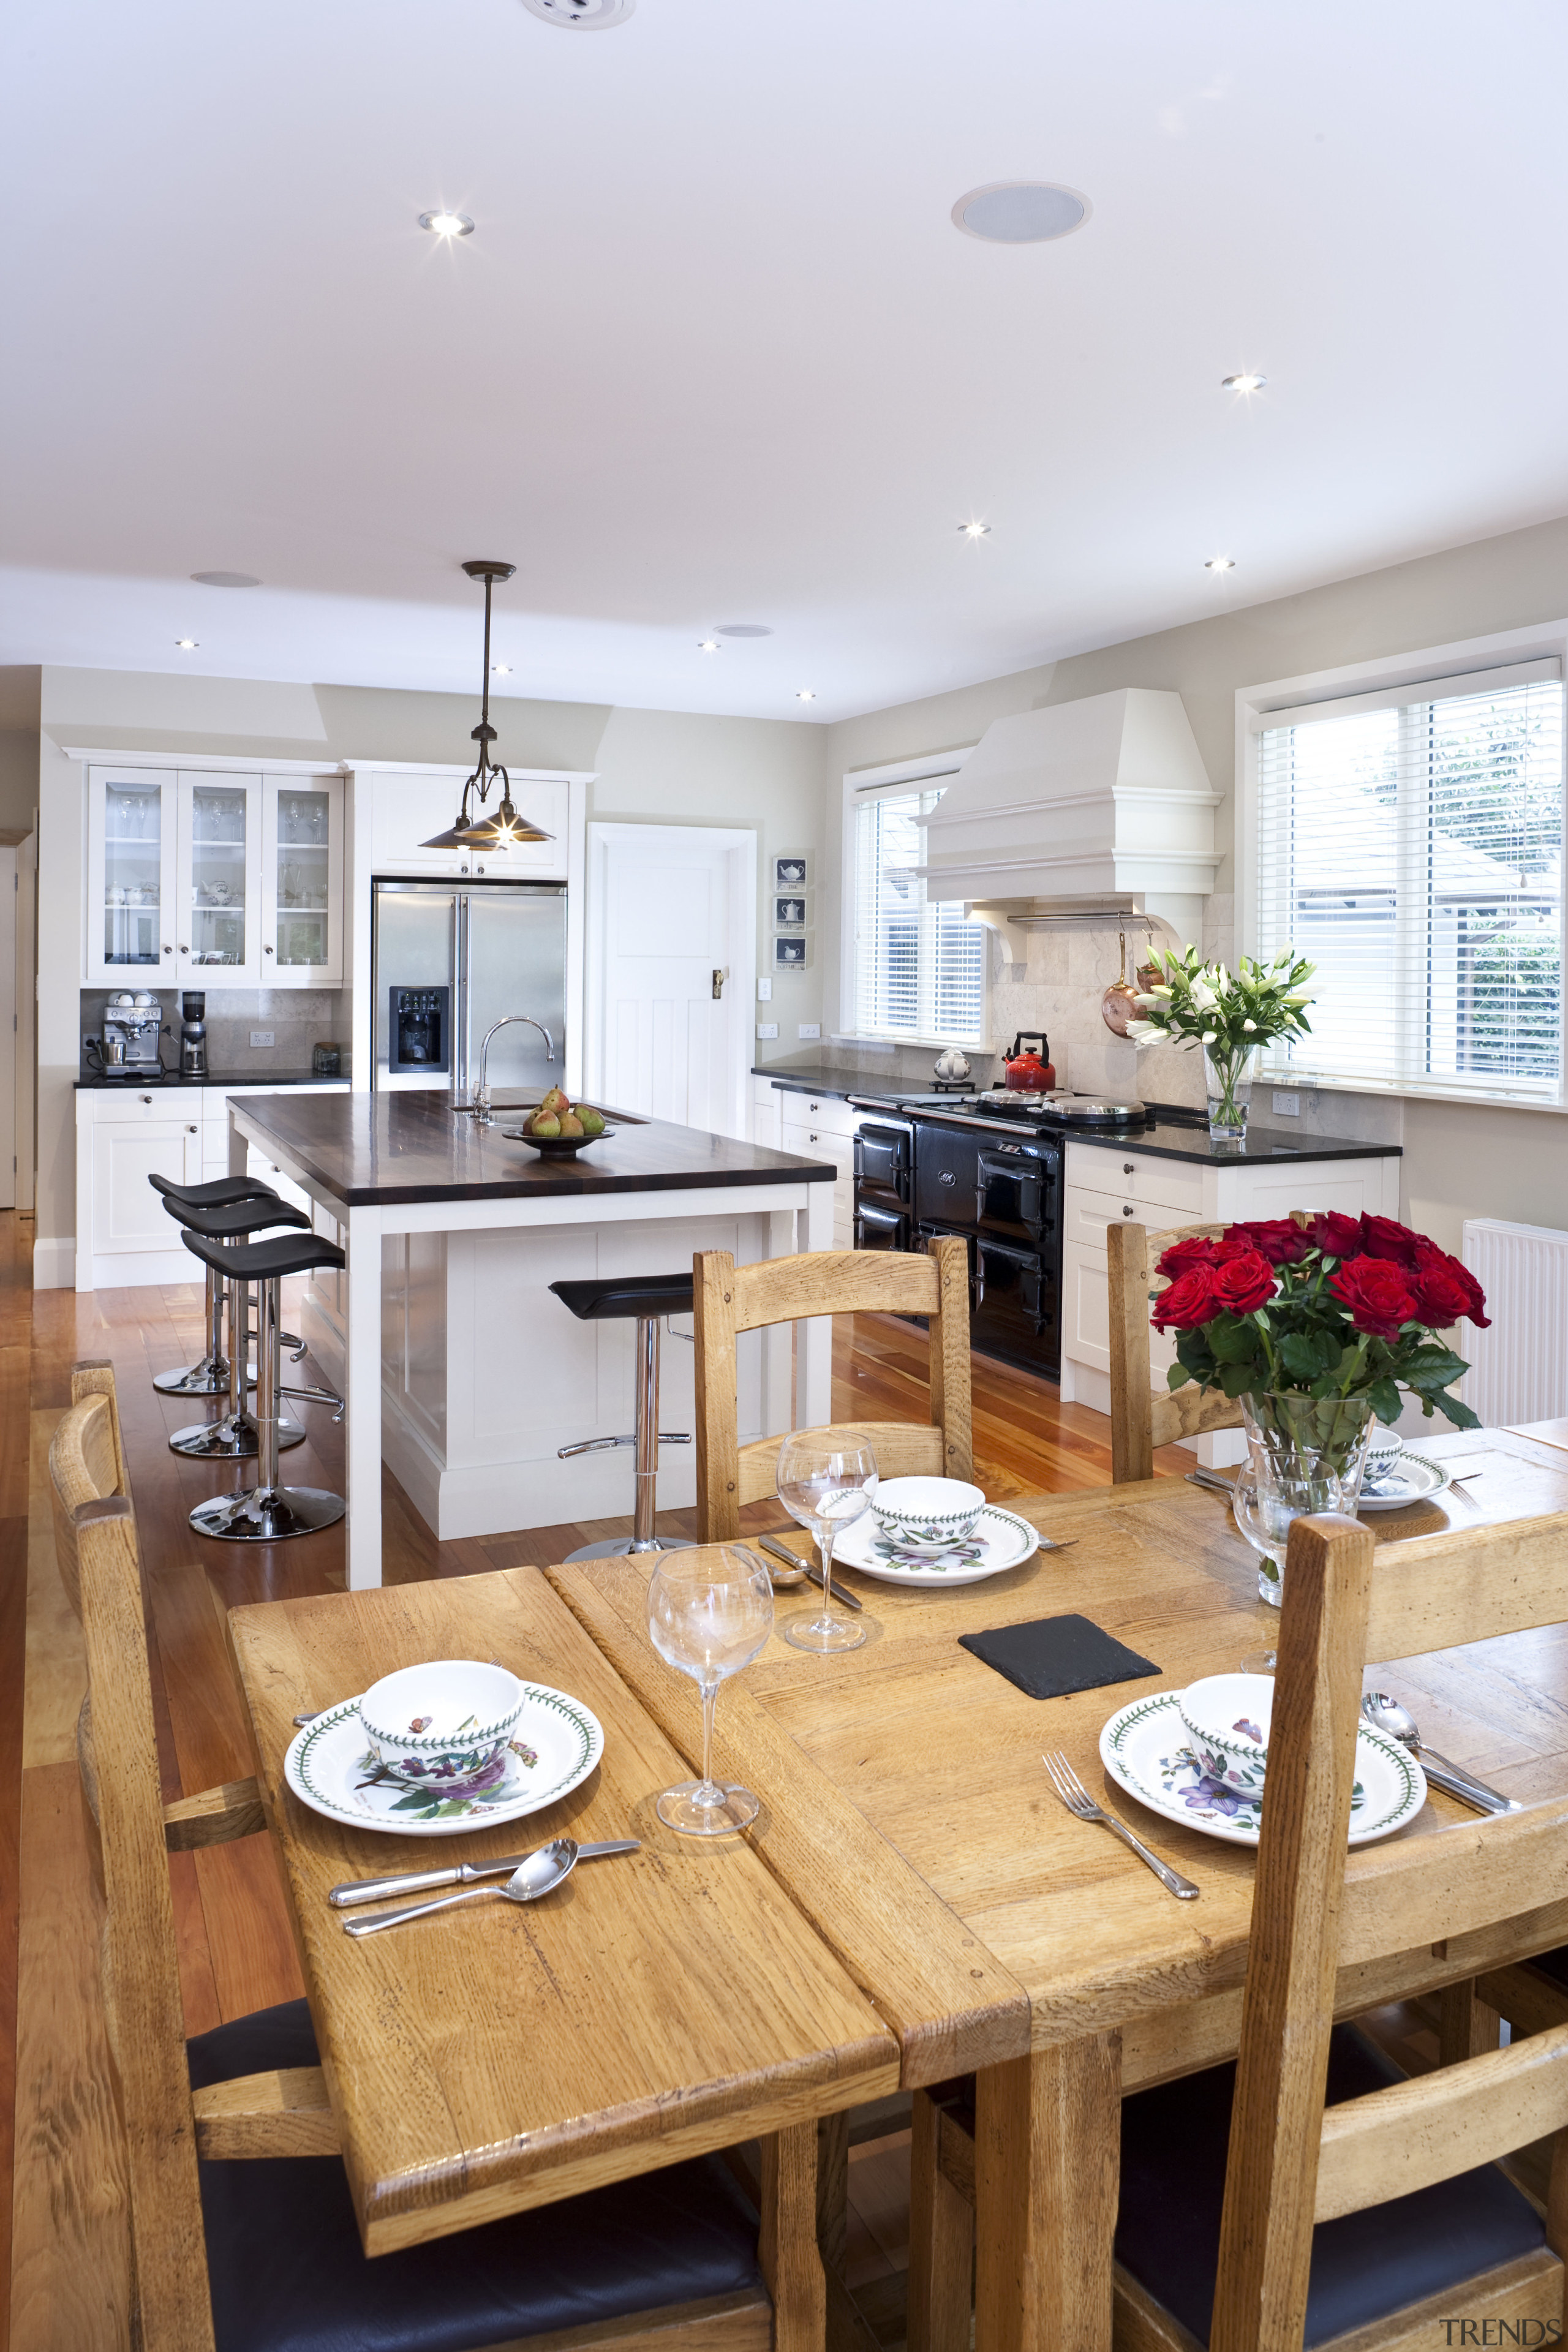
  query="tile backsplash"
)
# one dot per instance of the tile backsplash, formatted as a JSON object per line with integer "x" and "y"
{"x": 298, "y": 1018}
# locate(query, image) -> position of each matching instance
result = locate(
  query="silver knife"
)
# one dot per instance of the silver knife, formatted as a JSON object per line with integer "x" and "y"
{"x": 462, "y": 1874}
{"x": 783, "y": 1552}
{"x": 1213, "y": 1479}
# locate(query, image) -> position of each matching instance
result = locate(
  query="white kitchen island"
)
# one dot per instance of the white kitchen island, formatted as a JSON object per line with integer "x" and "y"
{"x": 459, "y": 1367}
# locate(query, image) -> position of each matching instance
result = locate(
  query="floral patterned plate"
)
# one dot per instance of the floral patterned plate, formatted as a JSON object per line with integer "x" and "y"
{"x": 1144, "y": 1749}
{"x": 1419, "y": 1479}
{"x": 998, "y": 1540}
{"x": 556, "y": 1744}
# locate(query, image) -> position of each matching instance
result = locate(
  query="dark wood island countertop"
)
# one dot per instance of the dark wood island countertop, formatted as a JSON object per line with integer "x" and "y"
{"x": 381, "y": 1149}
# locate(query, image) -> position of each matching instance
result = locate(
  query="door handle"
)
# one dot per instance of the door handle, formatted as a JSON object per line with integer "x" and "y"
{"x": 719, "y": 976}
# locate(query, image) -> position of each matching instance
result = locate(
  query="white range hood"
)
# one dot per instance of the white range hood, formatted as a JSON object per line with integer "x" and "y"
{"x": 1098, "y": 806}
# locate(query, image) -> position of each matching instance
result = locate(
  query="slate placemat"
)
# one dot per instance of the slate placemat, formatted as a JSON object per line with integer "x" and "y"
{"x": 1054, "y": 1655}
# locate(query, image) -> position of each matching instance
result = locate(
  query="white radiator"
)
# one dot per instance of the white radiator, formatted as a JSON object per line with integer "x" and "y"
{"x": 1519, "y": 1369}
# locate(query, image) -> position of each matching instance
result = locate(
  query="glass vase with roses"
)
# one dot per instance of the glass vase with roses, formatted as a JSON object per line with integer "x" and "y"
{"x": 1315, "y": 1325}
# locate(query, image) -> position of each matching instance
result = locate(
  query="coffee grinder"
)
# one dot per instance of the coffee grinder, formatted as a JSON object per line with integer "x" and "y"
{"x": 193, "y": 1033}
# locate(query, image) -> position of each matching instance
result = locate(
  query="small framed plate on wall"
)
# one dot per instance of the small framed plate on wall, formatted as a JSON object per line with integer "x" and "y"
{"x": 789, "y": 952}
{"x": 789, "y": 914}
{"x": 790, "y": 872}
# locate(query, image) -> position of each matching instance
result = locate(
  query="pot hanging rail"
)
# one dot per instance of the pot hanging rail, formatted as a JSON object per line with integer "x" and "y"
{"x": 503, "y": 825}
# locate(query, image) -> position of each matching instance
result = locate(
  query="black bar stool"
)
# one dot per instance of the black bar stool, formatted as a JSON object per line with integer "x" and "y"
{"x": 210, "y": 1376}
{"x": 268, "y": 1512}
{"x": 233, "y": 1437}
{"x": 647, "y": 1297}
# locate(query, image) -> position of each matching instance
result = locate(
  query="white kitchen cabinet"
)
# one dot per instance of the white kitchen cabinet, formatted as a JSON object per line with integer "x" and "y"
{"x": 209, "y": 880}
{"x": 822, "y": 1127}
{"x": 405, "y": 810}
{"x": 767, "y": 1115}
{"x": 1102, "y": 1186}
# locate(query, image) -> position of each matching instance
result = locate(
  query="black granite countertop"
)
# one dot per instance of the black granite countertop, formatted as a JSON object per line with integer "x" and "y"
{"x": 1167, "y": 1141}
{"x": 817, "y": 1081}
{"x": 389, "y": 1148}
{"x": 230, "y": 1081}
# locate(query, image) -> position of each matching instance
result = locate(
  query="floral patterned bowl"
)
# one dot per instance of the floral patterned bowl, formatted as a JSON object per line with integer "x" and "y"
{"x": 1227, "y": 1717}
{"x": 445, "y": 1724}
{"x": 926, "y": 1513}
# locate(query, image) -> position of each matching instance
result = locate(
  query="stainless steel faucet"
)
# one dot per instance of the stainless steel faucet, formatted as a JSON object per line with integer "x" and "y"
{"x": 482, "y": 1091}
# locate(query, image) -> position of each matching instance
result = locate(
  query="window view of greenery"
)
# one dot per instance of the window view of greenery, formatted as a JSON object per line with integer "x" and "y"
{"x": 1415, "y": 855}
{"x": 920, "y": 968}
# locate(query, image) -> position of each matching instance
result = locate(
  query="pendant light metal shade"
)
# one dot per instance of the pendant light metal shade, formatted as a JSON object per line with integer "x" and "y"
{"x": 503, "y": 825}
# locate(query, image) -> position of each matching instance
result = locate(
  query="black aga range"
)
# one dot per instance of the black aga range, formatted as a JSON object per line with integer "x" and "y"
{"x": 988, "y": 1168}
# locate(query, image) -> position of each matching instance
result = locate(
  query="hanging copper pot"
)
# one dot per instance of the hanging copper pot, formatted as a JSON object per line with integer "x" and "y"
{"x": 1119, "y": 1006}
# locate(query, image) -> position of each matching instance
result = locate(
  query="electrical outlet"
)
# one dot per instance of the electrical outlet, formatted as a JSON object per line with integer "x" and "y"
{"x": 1287, "y": 1105}
{"x": 764, "y": 992}
{"x": 261, "y": 1036}
{"x": 809, "y": 1029}
{"x": 767, "y": 1028}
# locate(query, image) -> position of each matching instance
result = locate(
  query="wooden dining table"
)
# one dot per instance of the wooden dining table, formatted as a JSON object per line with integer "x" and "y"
{"x": 657, "y": 2006}
{"x": 906, "y": 1811}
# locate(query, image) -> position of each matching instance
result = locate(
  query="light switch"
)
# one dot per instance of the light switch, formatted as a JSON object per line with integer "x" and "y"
{"x": 809, "y": 1029}
{"x": 1287, "y": 1105}
{"x": 764, "y": 992}
{"x": 767, "y": 1028}
{"x": 261, "y": 1036}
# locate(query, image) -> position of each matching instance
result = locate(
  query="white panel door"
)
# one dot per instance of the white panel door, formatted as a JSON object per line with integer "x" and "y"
{"x": 670, "y": 950}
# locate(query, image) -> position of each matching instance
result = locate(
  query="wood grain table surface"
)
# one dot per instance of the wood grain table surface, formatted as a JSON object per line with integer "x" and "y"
{"x": 908, "y": 1811}
{"x": 657, "y": 2005}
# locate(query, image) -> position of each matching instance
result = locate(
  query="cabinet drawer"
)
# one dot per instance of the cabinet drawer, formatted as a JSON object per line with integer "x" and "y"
{"x": 825, "y": 1113}
{"x": 1089, "y": 1214}
{"x": 1136, "y": 1176}
{"x": 138, "y": 1105}
{"x": 814, "y": 1142}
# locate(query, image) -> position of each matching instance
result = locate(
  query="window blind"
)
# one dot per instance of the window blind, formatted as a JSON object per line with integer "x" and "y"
{"x": 920, "y": 967}
{"x": 1412, "y": 846}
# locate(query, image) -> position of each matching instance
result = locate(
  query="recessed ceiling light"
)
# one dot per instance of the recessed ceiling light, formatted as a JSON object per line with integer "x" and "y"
{"x": 588, "y": 16}
{"x": 709, "y": 645}
{"x": 1220, "y": 563}
{"x": 1242, "y": 383}
{"x": 974, "y": 531}
{"x": 444, "y": 224}
{"x": 501, "y": 669}
{"x": 226, "y": 579}
{"x": 805, "y": 694}
{"x": 185, "y": 644}
{"x": 742, "y": 629}
{"x": 1020, "y": 212}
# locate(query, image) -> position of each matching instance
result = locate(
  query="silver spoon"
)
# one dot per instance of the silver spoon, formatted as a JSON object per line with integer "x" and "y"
{"x": 1385, "y": 1714}
{"x": 537, "y": 1874}
{"x": 794, "y": 1568}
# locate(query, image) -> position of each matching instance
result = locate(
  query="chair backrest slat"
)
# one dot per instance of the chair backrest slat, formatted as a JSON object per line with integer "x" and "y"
{"x": 1142, "y": 1416}
{"x": 85, "y": 1464}
{"x": 1468, "y": 1585}
{"x": 730, "y": 1299}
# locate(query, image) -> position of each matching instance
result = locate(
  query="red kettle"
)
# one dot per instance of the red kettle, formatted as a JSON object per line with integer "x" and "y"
{"x": 1027, "y": 1064}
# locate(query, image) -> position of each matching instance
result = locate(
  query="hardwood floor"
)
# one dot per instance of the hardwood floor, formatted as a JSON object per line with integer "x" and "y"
{"x": 62, "y": 2214}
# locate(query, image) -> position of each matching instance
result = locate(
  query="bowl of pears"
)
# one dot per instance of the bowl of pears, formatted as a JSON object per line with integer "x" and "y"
{"x": 560, "y": 1127}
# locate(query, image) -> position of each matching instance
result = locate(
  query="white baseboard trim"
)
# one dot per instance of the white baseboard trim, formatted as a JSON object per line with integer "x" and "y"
{"x": 54, "y": 1262}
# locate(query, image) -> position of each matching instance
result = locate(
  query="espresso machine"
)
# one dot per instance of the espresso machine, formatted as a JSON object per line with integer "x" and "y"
{"x": 132, "y": 1025}
{"x": 193, "y": 1033}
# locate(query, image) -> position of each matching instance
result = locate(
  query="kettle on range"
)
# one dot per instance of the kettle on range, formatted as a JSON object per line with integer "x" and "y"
{"x": 1026, "y": 1066}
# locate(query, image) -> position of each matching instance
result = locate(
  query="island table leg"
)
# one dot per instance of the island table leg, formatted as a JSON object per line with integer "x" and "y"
{"x": 362, "y": 1387}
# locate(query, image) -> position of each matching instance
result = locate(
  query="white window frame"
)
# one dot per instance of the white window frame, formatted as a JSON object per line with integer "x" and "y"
{"x": 1256, "y": 708}
{"x": 930, "y": 769}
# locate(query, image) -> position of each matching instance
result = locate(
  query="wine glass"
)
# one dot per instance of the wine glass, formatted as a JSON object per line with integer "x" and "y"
{"x": 709, "y": 1611}
{"x": 826, "y": 1478}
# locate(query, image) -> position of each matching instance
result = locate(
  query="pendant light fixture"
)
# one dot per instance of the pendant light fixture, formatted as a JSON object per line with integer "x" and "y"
{"x": 503, "y": 825}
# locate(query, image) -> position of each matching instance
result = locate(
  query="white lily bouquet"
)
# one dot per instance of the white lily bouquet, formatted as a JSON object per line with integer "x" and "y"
{"x": 1231, "y": 1015}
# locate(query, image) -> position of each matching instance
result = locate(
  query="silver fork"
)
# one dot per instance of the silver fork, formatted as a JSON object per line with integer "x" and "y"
{"x": 1076, "y": 1799}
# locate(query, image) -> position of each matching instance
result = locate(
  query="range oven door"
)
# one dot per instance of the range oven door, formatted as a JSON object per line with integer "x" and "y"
{"x": 884, "y": 1160}
{"x": 1016, "y": 1191}
{"x": 944, "y": 1174}
{"x": 879, "y": 1228}
{"x": 1015, "y": 1313}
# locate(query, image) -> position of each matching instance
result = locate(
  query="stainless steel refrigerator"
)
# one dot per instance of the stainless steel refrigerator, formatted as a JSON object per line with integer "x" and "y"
{"x": 449, "y": 960}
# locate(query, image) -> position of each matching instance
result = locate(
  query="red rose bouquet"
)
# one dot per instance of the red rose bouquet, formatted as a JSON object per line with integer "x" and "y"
{"x": 1331, "y": 1307}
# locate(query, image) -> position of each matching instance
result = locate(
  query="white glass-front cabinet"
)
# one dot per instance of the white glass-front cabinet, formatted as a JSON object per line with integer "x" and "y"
{"x": 212, "y": 881}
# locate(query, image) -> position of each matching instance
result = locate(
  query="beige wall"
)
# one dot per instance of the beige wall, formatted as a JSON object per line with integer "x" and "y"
{"x": 651, "y": 766}
{"x": 1459, "y": 1160}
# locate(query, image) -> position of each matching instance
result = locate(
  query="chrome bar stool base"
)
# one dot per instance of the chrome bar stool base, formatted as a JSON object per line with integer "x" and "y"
{"x": 268, "y": 1514}
{"x": 230, "y": 1441}
{"x": 648, "y": 1298}
{"x": 209, "y": 1378}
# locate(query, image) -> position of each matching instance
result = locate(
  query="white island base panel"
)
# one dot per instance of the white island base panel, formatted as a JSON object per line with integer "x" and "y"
{"x": 486, "y": 1374}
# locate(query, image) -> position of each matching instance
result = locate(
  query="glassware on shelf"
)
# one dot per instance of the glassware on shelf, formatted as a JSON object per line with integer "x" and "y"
{"x": 826, "y": 1478}
{"x": 709, "y": 1611}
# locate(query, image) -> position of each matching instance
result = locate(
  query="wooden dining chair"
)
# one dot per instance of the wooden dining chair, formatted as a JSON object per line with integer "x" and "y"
{"x": 242, "y": 2224}
{"x": 1143, "y": 1416}
{"x": 730, "y": 1299}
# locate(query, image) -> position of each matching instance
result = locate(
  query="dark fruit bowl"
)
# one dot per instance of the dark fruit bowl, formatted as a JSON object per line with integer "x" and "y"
{"x": 556, "y": 1147}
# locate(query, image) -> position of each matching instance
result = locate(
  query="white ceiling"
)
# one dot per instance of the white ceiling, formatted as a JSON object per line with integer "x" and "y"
{"x": 716, "y": 352}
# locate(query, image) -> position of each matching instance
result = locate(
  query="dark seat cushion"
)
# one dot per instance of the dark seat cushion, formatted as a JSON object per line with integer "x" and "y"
{"x": 254, "y": 1261}
{"x": 214, "y": 1195}
{"x": 636, "y": 1293}
{"x": 1364, "y": 2265}
{"x": 228, "y": 1221}
{"x": 288, "y": 2275}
